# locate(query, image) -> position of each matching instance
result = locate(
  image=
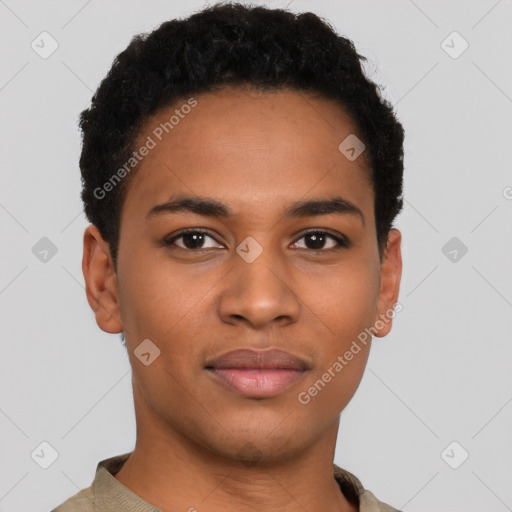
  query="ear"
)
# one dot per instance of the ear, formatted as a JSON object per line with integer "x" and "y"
{"x": 101, "y": 281}
{"x": 390, "y": 275}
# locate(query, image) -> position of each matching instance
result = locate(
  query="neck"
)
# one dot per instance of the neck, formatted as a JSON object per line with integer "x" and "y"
{"x": 173, "y": 472}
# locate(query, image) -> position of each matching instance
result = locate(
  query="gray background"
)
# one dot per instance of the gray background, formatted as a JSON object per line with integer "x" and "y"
{"x": 442, "y": 375}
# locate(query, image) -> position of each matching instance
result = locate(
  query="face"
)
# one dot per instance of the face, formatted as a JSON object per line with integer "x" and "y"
{"x": 255, "y": 271}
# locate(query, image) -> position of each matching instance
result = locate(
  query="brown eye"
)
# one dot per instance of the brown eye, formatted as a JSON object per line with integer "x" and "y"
{"x": 317, "y": 240}
{"x": 192, "y": 240}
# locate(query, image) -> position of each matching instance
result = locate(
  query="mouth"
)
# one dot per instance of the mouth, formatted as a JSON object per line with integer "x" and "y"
{"x": 257, "y": 374}
{"x": 255, "y": 383}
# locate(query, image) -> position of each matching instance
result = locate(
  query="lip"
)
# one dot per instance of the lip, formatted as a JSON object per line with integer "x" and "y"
{"x": 257, "y": 374}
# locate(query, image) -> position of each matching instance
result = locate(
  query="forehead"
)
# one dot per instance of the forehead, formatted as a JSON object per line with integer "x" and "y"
{"x": 248, "y": 148}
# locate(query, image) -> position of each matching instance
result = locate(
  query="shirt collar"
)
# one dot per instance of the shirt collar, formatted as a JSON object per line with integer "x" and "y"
{"x": 111, "y": 495}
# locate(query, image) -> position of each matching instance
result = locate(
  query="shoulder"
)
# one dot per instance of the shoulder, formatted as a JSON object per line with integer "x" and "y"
{"x": 371, "y": 504}
{"x": 83, "y": 501}
{"x": 104, "y": 486}
{"x": 356, "y": 494}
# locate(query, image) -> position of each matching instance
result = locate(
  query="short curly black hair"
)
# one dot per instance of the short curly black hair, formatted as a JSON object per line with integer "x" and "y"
{"x": 233, "y": 44}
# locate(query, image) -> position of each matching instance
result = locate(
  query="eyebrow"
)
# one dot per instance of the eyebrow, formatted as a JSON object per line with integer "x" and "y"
{"x": 209, "y": 207}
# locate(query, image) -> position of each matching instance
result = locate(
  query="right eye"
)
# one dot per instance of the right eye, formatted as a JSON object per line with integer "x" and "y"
{"x": 192, "y": 239}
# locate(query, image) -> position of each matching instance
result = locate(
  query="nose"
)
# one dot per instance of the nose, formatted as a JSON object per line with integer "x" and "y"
{"x": 260, "y": 293}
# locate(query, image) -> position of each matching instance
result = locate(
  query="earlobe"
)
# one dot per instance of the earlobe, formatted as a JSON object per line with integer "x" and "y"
{"x": 101, "y": 281}
{"x": 391, "y": 273}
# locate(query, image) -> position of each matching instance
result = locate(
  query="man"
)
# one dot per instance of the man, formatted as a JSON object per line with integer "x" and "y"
{"x": 241, "y": 175}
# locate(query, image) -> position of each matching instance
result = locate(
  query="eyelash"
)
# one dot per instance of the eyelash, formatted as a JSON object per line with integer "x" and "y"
{"x": 342, "y": 242}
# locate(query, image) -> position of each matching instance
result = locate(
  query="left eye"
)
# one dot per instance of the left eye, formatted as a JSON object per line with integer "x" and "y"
{"x": 313, "y": 240}
{"x": 317, "y": 240}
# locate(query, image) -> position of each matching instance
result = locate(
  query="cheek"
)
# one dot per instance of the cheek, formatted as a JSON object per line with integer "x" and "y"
{"x": 345, "y": 300}
{"x": 345, "y": 305}
{"x": 167, "y": 307}
{"x": 154, "y": 297}
{"x": 332, "y": 387}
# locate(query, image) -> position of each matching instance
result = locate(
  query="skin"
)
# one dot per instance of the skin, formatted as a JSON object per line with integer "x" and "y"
{"x": 200, "y": 444}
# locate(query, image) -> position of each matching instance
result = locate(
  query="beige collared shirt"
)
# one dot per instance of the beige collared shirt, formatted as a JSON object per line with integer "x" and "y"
{"x": 107, "y": 494}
